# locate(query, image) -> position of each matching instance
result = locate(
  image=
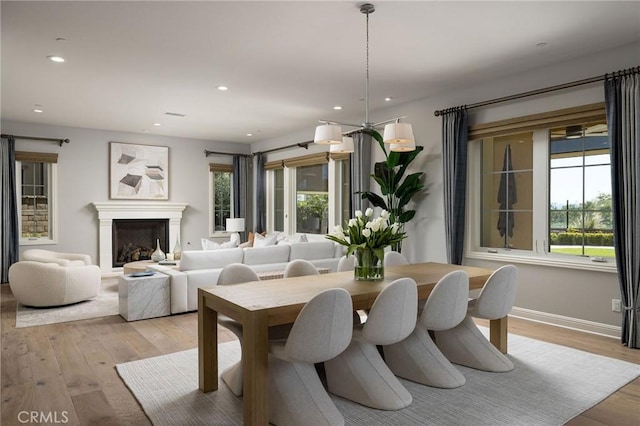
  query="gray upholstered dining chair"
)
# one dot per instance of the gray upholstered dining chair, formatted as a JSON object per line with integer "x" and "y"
{"x": 465, "y": 344}
{"x": 417, "y": 358}
{"x": 321, "y": 331}
{"x": 393, "y": 258}
{"x": 235, "y": 273}
{"x": 300, "y": 268}
{"x": 359, "y": 373}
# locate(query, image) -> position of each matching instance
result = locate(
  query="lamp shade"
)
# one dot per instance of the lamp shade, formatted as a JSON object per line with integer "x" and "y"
{"x": 403, "y": 147}
{"x": 398, "y": 133}
{"x": 346, "y": 145}
{"x": 328, "y": 134}
{"x": 235, "y": 225}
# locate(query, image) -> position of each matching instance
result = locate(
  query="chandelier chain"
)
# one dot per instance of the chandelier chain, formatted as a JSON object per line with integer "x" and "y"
{"x": 366, "y": 107}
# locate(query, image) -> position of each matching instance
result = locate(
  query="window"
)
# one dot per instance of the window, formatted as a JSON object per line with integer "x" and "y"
{"x": 544, "y": 189}
{"x": 307, "y": 194}
{"x": 221, "y": 196}
{"x": 35, "y": 186}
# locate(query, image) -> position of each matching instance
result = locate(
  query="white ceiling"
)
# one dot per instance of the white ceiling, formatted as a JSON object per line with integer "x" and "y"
{"x": 286, "y": 63}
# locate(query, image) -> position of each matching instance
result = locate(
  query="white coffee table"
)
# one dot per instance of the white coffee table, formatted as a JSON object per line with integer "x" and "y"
{"x": 144, "y": 297}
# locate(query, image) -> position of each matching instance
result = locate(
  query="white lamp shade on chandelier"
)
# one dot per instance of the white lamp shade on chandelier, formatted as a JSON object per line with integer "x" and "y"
{"x": 398, "y": 133}
{"x": 235, "y": 225}
{"x": 328, "y": 134}
{"x": 344, "y": 147}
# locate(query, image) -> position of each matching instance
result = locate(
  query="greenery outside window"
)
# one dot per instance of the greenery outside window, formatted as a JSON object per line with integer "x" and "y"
{"x": 36, "y": 194}
{"x": 540, "y": 190}
{"x": 221, "y": 196}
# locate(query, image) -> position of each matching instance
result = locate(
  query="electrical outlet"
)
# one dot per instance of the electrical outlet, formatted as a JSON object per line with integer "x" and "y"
{"x": 615, "y": 305}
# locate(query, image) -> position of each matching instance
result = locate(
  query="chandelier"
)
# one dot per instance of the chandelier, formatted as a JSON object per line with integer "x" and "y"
{"x": 398, "y": 135}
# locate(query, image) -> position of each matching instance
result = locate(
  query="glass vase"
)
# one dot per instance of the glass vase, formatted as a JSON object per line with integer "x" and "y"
{"x": 368, "y": 267}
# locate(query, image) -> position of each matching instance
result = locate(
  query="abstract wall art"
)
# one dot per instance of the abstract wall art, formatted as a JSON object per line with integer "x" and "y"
{"x": 138, "y": 172}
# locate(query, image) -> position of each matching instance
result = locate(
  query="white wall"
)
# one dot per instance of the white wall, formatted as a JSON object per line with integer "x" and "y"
{"x": 83, "y": 173}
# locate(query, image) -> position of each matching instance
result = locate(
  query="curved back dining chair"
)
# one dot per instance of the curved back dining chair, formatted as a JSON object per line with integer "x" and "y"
{"x": 321, "y": 331}
{"x": 234, "y": 273}
{"x": 465, "y": 344}
{"x": 300, "y": 268}
{"x": 346, "y": 263}
{"x": 359, "y": 373}
{"x": 417, "y": 358}
{"x": 393, "y": 258}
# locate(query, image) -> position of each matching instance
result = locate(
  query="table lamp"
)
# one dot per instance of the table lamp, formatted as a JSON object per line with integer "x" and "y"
{"x": 236, "y": 225}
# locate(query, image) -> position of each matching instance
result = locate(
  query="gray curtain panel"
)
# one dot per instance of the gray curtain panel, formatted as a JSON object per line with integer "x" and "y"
{"x": 622, "y": 98}
{"x": 260, "y": 223}
{"x": 9, "y": 232}
{"x": 360, "y": 170}
{"x": 454, "y": 159}
{"x": 240, "y": 174}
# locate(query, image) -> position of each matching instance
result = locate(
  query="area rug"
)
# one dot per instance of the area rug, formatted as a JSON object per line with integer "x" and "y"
{"x": 550, "y": 385}
{"x": 105, "y": 304}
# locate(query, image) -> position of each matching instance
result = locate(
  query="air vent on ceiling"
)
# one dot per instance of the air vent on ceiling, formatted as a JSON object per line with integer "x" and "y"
{"x": 175, "y": 114}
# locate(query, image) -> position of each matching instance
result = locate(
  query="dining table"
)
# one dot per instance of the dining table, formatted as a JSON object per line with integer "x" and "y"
{"x": 261, "y": 304}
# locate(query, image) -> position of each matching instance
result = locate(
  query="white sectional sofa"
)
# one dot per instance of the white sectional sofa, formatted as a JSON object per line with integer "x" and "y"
{"x": 201, "y": 268}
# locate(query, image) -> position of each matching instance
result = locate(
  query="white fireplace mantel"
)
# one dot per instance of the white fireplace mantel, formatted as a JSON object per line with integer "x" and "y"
{"x": 110, "y": 210}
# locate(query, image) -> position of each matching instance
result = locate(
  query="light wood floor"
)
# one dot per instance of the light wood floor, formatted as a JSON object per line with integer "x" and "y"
{"x": 69, "y": 367}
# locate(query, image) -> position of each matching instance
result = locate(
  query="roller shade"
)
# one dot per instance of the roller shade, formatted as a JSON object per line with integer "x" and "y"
{"x": 220, "y": 167}
{"x": 307, "y": 160}
{"x": 36, "y": 157}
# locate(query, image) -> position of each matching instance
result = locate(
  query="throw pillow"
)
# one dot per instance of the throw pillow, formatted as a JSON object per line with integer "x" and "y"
{"x": 260, "y": 241}
{"x": 207, "y": 244}
{"x": 246, "y": 244}
{"x": 229, "y": 244}
{"x": 302, "y": 238}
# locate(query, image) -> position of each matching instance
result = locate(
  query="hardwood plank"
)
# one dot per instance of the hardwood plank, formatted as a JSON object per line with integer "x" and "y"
{"x": 15, "y": 399}
{"x": 93, "y": 408}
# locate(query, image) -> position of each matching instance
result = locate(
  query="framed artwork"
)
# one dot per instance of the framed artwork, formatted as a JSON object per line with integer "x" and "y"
{"x": 138, "y": 172}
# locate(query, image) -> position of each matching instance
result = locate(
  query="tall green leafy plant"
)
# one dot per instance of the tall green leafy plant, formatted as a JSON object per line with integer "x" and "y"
{"x": 396, "y": 187}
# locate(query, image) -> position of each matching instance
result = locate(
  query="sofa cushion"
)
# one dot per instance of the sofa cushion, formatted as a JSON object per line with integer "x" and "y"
{"x": 312, "y": 250}
{"x": 263, "y": 241}
{"x": 209, "y": 259}
{"x": 270, "y": 254}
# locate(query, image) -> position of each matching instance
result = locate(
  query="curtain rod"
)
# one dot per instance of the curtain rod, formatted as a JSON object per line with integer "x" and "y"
{"x": 33, "y": 138}
{"x": 632, "y": 70}
{"x": 208, "y": 153}
{"x": 304, "y": 145}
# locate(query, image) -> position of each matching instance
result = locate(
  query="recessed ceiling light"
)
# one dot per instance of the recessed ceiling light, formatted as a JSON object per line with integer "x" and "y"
{"x": 156, "y": 124}
{"x": 337, "y": 107}
{"x": 388, "y": 99}
{"x": 36, "y": 109}
{"x": 249, "y": 134}
{"x": 56, "y": 58}
{"x": 223, "y": 88}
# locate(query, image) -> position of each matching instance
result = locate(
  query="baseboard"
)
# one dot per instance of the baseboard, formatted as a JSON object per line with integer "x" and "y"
{"x": 567, "y": 322}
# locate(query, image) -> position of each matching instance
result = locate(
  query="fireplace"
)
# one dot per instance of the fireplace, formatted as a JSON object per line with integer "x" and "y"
{"x": 136, "y": 239}
{"x": 110, "y": 212}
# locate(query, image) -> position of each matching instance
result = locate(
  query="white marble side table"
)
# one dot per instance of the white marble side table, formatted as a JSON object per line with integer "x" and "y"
{"x": 144, "y": 297}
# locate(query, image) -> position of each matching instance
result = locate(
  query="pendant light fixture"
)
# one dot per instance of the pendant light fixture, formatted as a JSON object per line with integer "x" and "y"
{"x": 398, "y": 135}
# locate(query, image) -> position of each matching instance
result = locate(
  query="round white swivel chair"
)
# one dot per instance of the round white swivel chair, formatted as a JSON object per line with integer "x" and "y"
{"x": 417, "y": 358}
{"x": 359, "y": 373}
{"x": 43, "y": 284}
{"x": 322, "y": 330}
{"x": 62, "y": 259}
{"x": 465, "y": 344}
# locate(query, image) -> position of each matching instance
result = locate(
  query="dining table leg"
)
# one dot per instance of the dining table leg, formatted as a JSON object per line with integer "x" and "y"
{"x": 207, "y": 345}
{"x": 498, "y": 334}
{"x": 255, "y": 364}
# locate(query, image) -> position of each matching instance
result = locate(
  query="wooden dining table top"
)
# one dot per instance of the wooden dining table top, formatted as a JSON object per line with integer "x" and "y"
{"x": 284, "y": 298}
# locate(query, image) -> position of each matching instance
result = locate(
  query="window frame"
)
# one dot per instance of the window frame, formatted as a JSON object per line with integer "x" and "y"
{"x": 213, "y": 169}
{"x": 539, "y": 125}
{"x": 50, "y": 160}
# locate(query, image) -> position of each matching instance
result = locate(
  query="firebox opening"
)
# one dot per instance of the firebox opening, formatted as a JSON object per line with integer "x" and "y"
{"x": 135, "y": 239}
